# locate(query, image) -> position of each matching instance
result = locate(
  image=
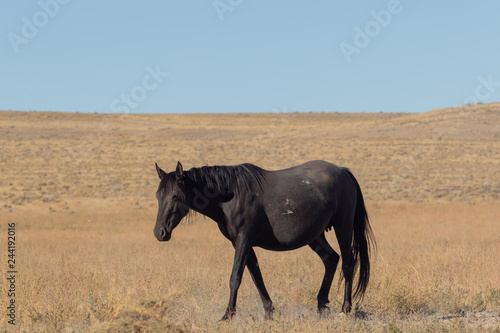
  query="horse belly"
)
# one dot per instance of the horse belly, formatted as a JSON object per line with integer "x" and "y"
{"x": 294, "y": 223}
{"x": 299, "y": 204}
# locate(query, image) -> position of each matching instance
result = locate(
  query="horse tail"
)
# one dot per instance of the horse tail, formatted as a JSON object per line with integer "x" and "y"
{"x": 363, "y": 241}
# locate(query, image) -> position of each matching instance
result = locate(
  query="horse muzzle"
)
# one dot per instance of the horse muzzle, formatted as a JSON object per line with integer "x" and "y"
{"x": 162, "y": 234}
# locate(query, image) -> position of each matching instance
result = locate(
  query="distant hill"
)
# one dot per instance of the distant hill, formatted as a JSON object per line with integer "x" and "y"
{"x": 470, "y": 122}
{"x": 445, "y": 154}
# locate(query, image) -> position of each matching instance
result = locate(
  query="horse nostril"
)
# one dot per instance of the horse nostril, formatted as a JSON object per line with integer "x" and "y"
{"x": 163, "y": 233}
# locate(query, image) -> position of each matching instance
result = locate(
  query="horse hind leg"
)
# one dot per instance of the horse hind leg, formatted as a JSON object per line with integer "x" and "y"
{"x": 330, "y": 259}
{"x": 348, "y": 264}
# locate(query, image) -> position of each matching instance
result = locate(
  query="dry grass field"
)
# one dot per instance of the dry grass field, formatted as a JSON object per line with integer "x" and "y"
{"x": 81, "y": 191}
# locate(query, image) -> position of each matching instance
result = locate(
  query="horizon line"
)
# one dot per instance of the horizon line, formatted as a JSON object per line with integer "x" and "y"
{"x": 251, "y": 112}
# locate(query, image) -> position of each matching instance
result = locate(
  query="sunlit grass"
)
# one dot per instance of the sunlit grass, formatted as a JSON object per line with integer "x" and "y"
{"x": 432, "y": 261}
{"x": 80, "y": 188}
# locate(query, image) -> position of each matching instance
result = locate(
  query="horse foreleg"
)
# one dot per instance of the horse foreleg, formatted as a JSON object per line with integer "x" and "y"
{"x": 253, "y": 267}
{"x": 242, "y": 248}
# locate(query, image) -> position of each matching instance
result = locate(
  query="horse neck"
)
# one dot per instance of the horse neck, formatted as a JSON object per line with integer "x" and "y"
{"x": 210, "y": 182}
{"x": 206, "y": 196}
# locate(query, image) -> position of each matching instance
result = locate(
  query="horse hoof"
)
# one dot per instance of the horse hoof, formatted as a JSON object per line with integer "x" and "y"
{"x": 269, "y": 313}
{"x": 324, "y": 311}
{"x": 268, "y": 316}
{"x": 346, "y": 308}
{"x": 228, "y": 315}
{"x": 341, "y": 315}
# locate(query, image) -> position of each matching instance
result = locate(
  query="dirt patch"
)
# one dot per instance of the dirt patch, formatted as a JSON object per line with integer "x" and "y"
{"x": 483, "y": 319}
{"x": 137, "y": 322}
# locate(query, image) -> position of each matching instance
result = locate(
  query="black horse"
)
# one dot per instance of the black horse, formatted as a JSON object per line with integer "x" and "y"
{"x": 275, "y": 210}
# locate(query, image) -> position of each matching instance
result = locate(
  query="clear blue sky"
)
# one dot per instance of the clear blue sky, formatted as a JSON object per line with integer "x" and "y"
{"x": 248, "y": 56}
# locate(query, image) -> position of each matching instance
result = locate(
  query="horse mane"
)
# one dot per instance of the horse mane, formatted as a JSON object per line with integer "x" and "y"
{"x": 227, "y": 180}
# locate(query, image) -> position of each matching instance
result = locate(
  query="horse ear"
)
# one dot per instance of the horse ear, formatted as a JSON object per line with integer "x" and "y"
{"x": 161, "y": 173}
{"x": 179, "y": 171}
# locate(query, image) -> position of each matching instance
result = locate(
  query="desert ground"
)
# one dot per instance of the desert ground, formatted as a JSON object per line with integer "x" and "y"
{"x": 80, "y": 189}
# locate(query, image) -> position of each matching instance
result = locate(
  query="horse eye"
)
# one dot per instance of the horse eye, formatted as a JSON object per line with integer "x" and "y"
{"x": 174, "y": 197}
